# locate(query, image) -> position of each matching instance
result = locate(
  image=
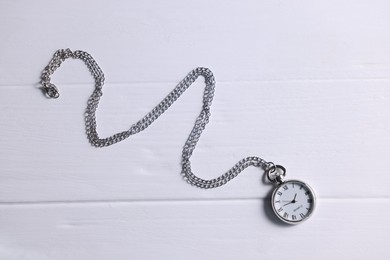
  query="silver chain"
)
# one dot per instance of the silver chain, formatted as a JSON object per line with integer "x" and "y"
{"x": 189, "y": 146}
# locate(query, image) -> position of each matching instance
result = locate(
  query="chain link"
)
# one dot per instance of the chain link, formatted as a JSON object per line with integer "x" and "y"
{"x": 189, "y": 146}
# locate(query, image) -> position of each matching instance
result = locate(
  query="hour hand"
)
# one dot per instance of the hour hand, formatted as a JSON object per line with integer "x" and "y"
{"x": 293, "y": 201}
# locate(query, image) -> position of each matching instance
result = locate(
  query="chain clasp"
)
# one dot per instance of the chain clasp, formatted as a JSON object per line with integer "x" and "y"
{"x": 51, "y": 90}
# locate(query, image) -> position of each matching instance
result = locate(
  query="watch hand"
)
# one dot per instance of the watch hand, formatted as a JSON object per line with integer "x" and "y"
{"x": 289, "y": 202}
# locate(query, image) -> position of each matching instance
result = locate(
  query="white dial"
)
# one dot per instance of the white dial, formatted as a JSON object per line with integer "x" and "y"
{"x": 293, "y": 201}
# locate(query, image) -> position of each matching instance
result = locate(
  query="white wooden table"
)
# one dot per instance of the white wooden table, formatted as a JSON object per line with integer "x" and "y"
{"x": 303, "y": 84}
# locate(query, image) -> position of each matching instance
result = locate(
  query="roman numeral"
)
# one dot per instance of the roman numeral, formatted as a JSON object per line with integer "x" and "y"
{"x": 307, "y": 192}
{"x": 285, "y": 187}
{"x": 279, "y": 193}
{"x": 293, "y": 217}
{"x": 293, "y": 185}
{"x": 302, "y": 215}
{"x": 309, "y": 200}
{"x": 301, "y": 187}
{"x": 281, "y": 209}
{"x": 285, "y": 215}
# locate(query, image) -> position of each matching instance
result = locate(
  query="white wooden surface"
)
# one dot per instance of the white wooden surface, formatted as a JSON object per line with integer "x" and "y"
{"x": 301, "y": 83}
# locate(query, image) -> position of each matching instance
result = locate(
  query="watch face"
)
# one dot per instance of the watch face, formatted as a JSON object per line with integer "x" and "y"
{"x": 293, "y": 201}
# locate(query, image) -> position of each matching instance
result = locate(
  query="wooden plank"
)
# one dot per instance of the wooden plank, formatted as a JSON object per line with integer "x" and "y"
{"x": 241, "y": 41}
{"x": 237, "y": 229}
{"x": 333, "y": 134}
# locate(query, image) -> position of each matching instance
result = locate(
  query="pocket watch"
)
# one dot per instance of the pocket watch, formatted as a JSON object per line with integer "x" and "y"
{"x": 293, "y": 201}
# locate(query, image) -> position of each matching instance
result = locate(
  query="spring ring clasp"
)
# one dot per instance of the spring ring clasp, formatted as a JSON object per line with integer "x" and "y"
{"x": 51, "y": 90}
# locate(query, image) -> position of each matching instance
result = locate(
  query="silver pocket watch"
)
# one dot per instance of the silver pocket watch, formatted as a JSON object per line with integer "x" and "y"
{"x": 293, "y": 201}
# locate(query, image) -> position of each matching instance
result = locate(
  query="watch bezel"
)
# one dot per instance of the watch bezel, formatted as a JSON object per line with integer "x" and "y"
{"x": 314, "y": 203}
